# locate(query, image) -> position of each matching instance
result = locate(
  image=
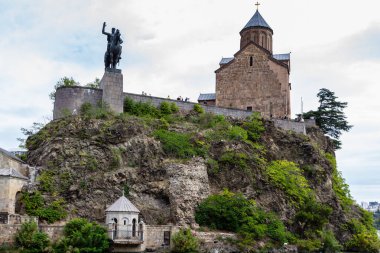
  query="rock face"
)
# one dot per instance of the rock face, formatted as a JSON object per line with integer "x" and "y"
{"x": 188, "y": 186}
{"x": 89, "y": 162}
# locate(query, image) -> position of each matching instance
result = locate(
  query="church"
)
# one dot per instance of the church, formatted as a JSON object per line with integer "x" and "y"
{"x": 254, "y": 79}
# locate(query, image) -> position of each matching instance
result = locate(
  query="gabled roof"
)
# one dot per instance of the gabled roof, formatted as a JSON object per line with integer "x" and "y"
{"x": 282, "y": 57}
{"x": 9, "y": 172}
{"x": 9, "y": 154}
{"x": 206, "y": 96}
{"x": 257, "y": 21}
{"x": 122, "y": 205}
{"x": 225, "y": 60}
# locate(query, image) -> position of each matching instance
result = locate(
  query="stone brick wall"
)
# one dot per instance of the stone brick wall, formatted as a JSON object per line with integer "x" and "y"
{"x": 54, "y": 232}
{"x": 264, "y": 86}
{"x": 112, "y": 86}
{"x": 188, "y": 106}
{"x": 8, "y": 232}
{"x": 70, "y": 99}
{"x": 154, "y": 237}
{"x": 298, "y": 127}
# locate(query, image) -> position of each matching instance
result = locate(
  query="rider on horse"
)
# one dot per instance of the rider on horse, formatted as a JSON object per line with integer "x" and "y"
{"x": 112, "y": 55}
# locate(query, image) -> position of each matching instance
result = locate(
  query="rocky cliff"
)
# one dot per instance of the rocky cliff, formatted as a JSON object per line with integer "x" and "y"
{"x": 169, "y": 165}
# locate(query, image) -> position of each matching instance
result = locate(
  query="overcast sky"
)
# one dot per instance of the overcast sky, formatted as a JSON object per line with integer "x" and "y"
{"x": 173, "y": 47}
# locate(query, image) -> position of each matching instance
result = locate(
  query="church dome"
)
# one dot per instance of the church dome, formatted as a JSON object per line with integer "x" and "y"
{"x": 122, "y": 205}
{"x": 257, "y": 21}
{"x": 257, "y": 31}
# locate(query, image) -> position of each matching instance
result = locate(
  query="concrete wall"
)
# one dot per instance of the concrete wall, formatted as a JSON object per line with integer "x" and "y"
{"x": 70, "y": 99}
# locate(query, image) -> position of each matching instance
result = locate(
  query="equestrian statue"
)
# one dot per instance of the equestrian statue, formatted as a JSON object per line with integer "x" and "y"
{"x": 113, "y": 53}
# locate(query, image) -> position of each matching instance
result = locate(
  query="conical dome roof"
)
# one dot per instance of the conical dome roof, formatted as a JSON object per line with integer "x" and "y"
{"x": 122, "y": 205}
{"x": 257, "y": 21}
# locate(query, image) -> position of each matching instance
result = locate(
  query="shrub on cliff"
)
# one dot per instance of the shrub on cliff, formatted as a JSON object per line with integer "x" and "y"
{"x": 35, "y": 205}
{"x": 30, "y": 240}
{"x": 288, "y": 177}
{"x": 254, "y": 126}
{"x": 340, "y": 187}
{"x": 185, "y": 242}
{"x": 198, "y": 109}
{"x": 177, "y": 144}
{"x": 233, "y": 212}
{"x": 81, "y": 235}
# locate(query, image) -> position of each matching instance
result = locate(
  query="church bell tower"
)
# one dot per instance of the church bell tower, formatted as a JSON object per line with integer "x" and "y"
{"x": 258, "y": 31}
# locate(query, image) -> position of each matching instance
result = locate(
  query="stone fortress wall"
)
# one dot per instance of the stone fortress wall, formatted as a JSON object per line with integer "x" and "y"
{"x": 70, "y": 99}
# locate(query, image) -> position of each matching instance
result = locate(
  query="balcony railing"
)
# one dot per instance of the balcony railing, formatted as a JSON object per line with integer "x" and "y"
{"x": 126, "y": 236}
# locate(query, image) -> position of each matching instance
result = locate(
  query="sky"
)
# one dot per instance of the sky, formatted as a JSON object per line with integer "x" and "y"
{"x": 173, "y": 47}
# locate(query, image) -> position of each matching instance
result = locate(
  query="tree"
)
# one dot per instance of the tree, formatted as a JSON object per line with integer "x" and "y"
{"x": 330, "y": 116}
{"x": 63, "y": 82}
{"x": 94, "y": 84}
{"x": 30, "y": 240}
{"x": 81, "y": 235}
{"x": 185, "y": 242}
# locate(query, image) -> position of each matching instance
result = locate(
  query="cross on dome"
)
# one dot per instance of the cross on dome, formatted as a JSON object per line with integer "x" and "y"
{"x": 257, "y": 5}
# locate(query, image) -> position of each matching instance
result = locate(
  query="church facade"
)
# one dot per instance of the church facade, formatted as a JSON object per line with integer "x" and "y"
{"x": 254, "y": 79}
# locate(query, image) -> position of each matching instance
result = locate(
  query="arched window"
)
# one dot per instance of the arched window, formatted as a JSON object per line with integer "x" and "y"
{"x": 134, "y": 227}
{"x": 251, "y": 61}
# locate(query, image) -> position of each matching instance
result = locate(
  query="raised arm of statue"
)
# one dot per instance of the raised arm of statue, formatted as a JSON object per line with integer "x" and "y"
{"x": 103, "y": 30}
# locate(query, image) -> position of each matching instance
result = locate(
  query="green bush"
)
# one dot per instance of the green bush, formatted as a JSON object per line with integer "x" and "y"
{"x": 312, "y": 216}
{"x": 35, "y": 206}
{"x": 309, "y": 245}
{"x": 185, "y": 242}
{"x": 233, "y": 212}
{"x": 330, "y": 243}
{"x": 198, "y": 109}
{"x": 235, "y": 160}
{"x": 237, "y": 133}
{"x": 30, "y": 240}
{"x": 212, "y": 165}
{"x": 364, "y": 237}
{"x": 174, "y": 107}
{"x": 140, "y": 108}
{"x": 165, "y": 108}
{"x": 340, "y": 187}
{"x": 210, "y": 120}
{"x": 177, "y": 144}
{"x": 81, "y": 235}
{"x": 288, "y": 177}
{"x": 254, "y": 126}
{"x": 100, "y": 111}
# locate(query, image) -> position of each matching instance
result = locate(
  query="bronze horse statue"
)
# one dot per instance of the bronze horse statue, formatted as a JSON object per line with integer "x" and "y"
{"x": 113, "y": 53}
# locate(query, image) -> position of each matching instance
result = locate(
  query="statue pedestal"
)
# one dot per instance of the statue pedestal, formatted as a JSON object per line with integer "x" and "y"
{"x": 112, "y": 86}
